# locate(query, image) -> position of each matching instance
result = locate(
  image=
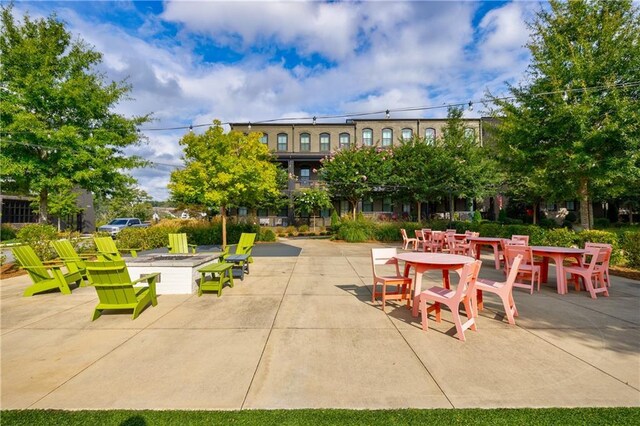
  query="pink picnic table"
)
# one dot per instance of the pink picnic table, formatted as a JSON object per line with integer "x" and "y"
{"x": 558, "y": 254}
{"x": 478, "y": 242}
{"x": 423, "y": 262}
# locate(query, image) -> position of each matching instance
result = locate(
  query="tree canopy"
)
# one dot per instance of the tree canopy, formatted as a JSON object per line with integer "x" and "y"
{"x": 225, "y": 170}
{"x": 56, "y": 116}
{"x": 574, "y": 125}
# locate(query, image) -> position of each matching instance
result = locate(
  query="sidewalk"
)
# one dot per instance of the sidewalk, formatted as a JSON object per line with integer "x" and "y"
{"x": 301, "y": 332}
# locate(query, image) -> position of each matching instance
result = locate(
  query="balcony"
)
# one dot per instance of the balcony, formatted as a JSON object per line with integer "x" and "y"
{"x": 309, "y": 183}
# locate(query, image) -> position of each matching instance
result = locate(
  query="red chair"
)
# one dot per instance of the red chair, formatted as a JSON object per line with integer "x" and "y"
{"x": 406, "y": 240}
{"x": 386, "y": 256}
{"x": 524, "y": 238}
{"x": 436, "y": 243}
{"x": 605, "y": 264}
{"x": 527, "y": 269}
{"x": 590, "y": 275}
{"x": 452, "y": 299}
{"x": 504, "y": 290}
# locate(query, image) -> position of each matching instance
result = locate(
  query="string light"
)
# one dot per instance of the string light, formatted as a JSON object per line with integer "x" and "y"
{"x": 564, "y": 92}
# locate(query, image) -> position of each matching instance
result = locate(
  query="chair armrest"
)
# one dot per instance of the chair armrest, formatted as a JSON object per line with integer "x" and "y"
{"x": 193, "y": 247}
{"x": 133, "y": 251}
{"x": 50, "y": 266}
{"x": 149, "y": 278}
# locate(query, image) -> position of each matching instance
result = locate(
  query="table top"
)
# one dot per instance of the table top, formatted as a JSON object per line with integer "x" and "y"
{"x": 435, "y": 258}
{"x": 485, "y": 239}
{"x": 549, "y": 249}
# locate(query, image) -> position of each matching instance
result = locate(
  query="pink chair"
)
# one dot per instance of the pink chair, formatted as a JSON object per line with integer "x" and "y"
{"x": 588, "y": 272}
{"x": 605, "y": 264}
{"x": 504, "y": 290}
{"x": 527, "y": 269}
{"x": 386, "y": 256}
{"x": 452, "y": 299}
{"x": 457, "y": 247}
{"x": 436, "y": 243}
{"x": 420, "y": 237}
{"x": 406, "y": 240}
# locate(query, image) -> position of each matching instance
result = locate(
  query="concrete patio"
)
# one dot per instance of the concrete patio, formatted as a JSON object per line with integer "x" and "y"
{"x": 301, "y": 332}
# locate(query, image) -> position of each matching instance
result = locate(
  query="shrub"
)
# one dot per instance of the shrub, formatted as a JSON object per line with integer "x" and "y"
{"x": 560, "y": 237}
{"x": 335, "y": 220}
{"x": 593, "y": 236}
{"x": 356, "y": 231}
{"x": 39, "y": 237}
{"x": 490, "y": 229}
{"x": 502, "y": 216}
{"x": 571, "y": 217}
{"x": 548, "y": 223}
{"x": 477, "y": 217}
{"x": 7, "y": 232}
{"x": 267, "y": 235}
{"x": 601, "y": 222}
{"x": 631, "y": 247}
{"x": 303, "y": 228}
{"x": 291, "y": 230}
{"x": 389, "y": 232}
{"x": 134, "y": 238}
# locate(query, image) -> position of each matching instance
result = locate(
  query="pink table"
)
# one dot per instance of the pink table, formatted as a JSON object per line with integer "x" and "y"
{"x": 423, "y": 262}
{"x": 478, "y": 242}
{"x": 558, "y": 254}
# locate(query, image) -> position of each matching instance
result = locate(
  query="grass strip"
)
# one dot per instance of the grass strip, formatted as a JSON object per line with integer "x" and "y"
{"x": 528, "y": 416}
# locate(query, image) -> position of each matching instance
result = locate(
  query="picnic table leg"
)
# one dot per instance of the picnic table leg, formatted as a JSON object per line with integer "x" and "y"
{"x": 496, "y": 255}
{"x": 544, "y": 269}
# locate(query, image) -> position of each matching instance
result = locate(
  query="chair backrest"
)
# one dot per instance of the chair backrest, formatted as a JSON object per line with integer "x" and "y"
{"x": 437, "y": 236}
{"x": 451, "y": 241}
{"x": 514, "y": 250}
{"x": 112, "y": 282}
{"x": 605, "y": 252}
{"x": 419, "y": 234}
{"x": 106, "y": 247}
{"x": 468, "y": 277}
{"x": 245, "y": 245}
{"x": 64, "y": 249}
{"x": 513, "y": 272}
{"x": 524, "y": 238}
{"x": 403, "y": 232}
{"x": 595, "y": 255}
{"x": 471, "y": 234}
{"x": 384, "y": 256}
{"x": 28, "y": 259}
{"x": 178, "y": 244}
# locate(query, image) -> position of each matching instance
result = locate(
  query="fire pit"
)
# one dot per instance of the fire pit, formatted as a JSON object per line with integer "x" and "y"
{"x": 179, "y": 272}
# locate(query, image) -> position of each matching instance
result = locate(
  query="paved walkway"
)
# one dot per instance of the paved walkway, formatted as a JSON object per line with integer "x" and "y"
{"x": 301, "y": 331}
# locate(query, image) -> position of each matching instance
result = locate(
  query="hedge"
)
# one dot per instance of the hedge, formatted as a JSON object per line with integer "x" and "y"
{"x": 625, "y": 245}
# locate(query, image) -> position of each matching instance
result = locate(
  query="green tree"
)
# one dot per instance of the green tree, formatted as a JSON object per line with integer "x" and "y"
{"x": 56, "y": 120}
{"x": 224, "y": 170}
{"x": 356, "y": 172}
{"x": 310, "y": 201}
{"x": 575, "y": 124}
{"x": 63, "y": 203}
{"x": 463, "y": 168}
{"x": 414, "y": 176}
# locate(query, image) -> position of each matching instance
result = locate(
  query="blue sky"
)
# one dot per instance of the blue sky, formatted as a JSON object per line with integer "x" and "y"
{"x": 193, "y": 61}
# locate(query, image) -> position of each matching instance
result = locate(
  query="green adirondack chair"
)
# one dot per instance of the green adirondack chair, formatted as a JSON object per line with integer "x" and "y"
{"x": 107, "y": 250}
{"x": 72, "y": 260}
{"x": 116, "y": 290}
{"x": 39, "y": 272}
{"x": 245, "y": 245}
{"x": 178, "y": 244}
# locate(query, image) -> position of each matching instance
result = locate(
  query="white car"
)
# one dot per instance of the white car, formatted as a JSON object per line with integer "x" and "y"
{"x": 117, "y": 225}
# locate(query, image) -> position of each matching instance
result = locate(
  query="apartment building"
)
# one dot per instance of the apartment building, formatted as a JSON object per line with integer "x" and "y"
{"x": 299, "y": 147}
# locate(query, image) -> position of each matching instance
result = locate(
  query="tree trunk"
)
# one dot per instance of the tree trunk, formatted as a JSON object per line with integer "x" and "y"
{"x": 223, "y": 215}
{"x": 44, "y": 201}
{"x": 583, "y": 192}
{"x": 59, "y": 225}
{"x": 355, "y": 205}
{"x": 419, "y": 211}
{"x": 535, "y": 212}
{"x": 590, "y": 215}
{"x": 451, "y": 208}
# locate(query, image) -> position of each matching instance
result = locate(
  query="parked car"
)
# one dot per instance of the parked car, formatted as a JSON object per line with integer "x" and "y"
{"x": 117, "y": 225}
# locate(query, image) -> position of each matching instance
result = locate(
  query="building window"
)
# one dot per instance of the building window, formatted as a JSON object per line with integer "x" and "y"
{"x": 325, "y": 142}
{"x": 344, "y": 207}
{"x": 407, "y": 134}
{"x": 242, "y": 211}
{"x": 387, "y": 204}
{"x": 387, "y": 137}
{"x": 345, "y": 140}
{"x": 325, "y": 213}
{"x": 264, "y": 139}
{"x": 304, "y": 176}
{"x": 263, "y": 212}
{"x": 283, "y": 142}
{"x": 305, "y": 142}
{"x": 571, "y": 205}
{"x": 551, "y": 206}
{"x": 470, "y": 133}
{"x": 367, "y": 205}
{"x": 367, "y": 137}
{"x": 430, "y": 135}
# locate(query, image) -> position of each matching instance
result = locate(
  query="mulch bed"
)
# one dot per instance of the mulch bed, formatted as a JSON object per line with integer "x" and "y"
{"x": 621, "y": 271}
{"x": 10, "y": 270}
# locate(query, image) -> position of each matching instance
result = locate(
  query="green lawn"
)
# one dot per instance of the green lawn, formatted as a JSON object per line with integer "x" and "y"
{"x": 546, "y": 416}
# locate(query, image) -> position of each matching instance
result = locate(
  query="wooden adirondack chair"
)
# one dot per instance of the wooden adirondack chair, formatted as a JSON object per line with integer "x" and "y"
{"x": 107, "y": 250}
{"x": 39, "y": 272}
{"x": 178, "y": 244}
{"x": 116, "y": 290}
{"x": 72, "y": 260}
